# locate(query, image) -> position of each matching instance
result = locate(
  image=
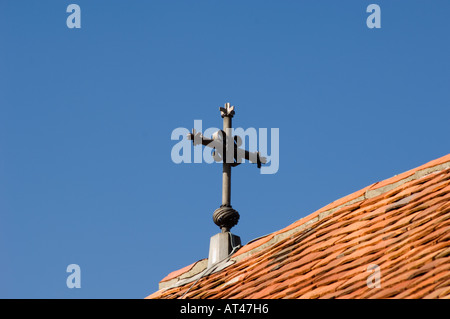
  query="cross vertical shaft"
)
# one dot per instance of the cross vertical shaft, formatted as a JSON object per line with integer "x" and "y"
{"x": 226, "y": 171}
{"x": 225, "y": 216}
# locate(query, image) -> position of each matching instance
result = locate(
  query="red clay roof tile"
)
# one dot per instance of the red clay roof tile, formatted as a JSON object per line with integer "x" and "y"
{"x": 401, "y": 225}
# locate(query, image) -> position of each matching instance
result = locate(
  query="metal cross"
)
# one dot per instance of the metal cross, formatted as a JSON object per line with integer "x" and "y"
{"x": 226, "y": 148}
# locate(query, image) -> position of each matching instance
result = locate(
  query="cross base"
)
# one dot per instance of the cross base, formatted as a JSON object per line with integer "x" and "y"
{"x": 221, "y": 245}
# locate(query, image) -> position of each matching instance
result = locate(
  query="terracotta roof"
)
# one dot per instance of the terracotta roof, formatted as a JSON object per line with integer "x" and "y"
{"x": 401, "y": 225}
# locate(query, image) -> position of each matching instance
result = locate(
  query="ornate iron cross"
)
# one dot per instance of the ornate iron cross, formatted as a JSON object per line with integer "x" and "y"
{"x": 226, "y": 148}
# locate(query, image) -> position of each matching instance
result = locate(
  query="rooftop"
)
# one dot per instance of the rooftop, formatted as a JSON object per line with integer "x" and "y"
{"x": 400, "y": 225}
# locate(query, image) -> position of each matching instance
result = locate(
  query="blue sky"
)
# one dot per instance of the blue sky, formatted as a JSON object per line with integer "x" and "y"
{"x": 86, "y": 117}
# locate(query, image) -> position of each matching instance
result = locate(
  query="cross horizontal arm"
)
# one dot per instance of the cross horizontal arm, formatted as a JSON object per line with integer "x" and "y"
{"x": 198, "y": 138}
{"x": 220, "y": 147}
{"x": 253, "y": 157}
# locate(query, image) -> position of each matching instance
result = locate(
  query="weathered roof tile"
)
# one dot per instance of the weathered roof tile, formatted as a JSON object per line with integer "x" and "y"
{"x": 401, "y": 225}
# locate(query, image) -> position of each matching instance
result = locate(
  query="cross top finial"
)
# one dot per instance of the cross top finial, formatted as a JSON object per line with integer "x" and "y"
{"x": 227, "y": 110}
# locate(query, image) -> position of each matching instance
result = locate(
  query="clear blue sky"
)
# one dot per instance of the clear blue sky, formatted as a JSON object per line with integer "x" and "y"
{"x": 86, "y": 116}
